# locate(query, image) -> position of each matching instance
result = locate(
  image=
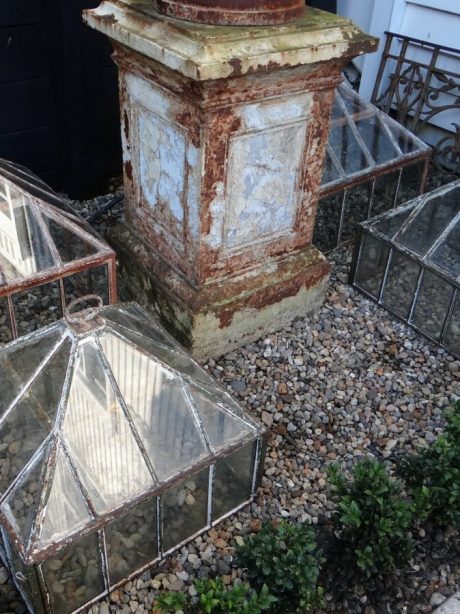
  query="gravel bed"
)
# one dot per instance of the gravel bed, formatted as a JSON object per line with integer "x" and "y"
{"x": 347, "y": 383}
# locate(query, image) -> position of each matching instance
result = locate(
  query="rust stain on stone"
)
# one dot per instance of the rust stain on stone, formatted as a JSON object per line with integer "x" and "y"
{"x": 126, "y": 125}
{"x": 129, "y": 170}
{"x": 109, "y": 19}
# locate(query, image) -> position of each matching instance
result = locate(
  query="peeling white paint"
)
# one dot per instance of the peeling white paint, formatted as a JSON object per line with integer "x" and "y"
{"x": 276, "y": 113}
{"x": 194, "y": 189}
{"x": 217, "y": 207}
{"x": 161, "y": 163}
{"x": 262, "y": 195}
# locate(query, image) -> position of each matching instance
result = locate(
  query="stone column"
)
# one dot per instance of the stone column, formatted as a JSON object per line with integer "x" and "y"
{"x": 224, "y": 130}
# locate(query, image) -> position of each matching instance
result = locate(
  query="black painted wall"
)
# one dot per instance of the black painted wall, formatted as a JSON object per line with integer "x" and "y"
{"x": 58, "y": 95}
{"x": 326, "y": 5}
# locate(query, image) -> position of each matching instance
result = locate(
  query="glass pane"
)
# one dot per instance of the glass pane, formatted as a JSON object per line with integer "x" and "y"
{"x": 353, "y": 102}
{"x": 355, "y": 210}
{"x": 37, "y": 307}
{"x": 21, "y": 504}
{"x": 390, "y": 224}
{"x": 66, "y": 511}
{"x": 430, "y": 222}
{"x": 411, "y": 182}
{"x": 433, "y": 303}
{"x": 69, "y": 245}
{"x": 451, "y": 338}
{"x": 185, "y": 509}
{"x": 31, "y": 420}
{"x": 24, "y": 249}
{"x": 21, "y": 434}
{"x": 178, "y": 361}
{"x": 346, "y": 148}
{"x": 100, "y": 439}
{"x": 330, "y": 171}
{"x": 159, "y": 409}
{"x": 447, "y": 255}
{"x": 327, "y": 222}
{"x": 131, "y": 541}
{"x": 223, "y": 398}
{"x": 371, "y": 265}
{"x": 232, "y": 481}
{"x": 6, "y": 332}
{"x": 407, "y": 143}
{"x": 401, "y": 283}
{"x": 18, "y": 364}
{"x": 376, "y": 139}
{"x": 27, "y": 582}
{"x": 134, "y": 320}
{"x": 221, "y": 426}
{"x": 92, "y": 281}
{"x": 384, "y": 195}
{"x": 74, "y": 576}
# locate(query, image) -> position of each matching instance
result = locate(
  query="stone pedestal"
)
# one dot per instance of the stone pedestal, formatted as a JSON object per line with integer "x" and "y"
{"x": 224, "y": 130}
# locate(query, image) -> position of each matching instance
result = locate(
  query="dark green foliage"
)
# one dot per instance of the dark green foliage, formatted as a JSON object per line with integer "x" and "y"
{"x": 372, "y": 522}
{"x": 432, "y": 475}
{"x": 287, "y": 559}
{"x": 215, "y": 598}
{"x": 171, "y": 602}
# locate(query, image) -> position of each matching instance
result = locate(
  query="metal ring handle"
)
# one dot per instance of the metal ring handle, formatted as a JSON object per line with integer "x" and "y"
{"x": 85, "y": 314}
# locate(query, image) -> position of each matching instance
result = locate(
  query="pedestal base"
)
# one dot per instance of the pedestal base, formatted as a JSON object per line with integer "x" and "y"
{"x": 228, "y": 312}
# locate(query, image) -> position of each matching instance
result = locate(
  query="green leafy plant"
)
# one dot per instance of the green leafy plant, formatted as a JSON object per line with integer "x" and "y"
{"x": 171, "y": 602}
{"x": 432, "y": 475}
{"x": 213, "y": 597}
{"x": 372, "y": 521}
{"x": 287, "y": 559}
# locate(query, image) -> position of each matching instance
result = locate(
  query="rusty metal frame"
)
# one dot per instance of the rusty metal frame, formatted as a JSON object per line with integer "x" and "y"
{"x": 20, "y": 181}
{"x": 424, "y": 262}
{"x": 30, "y": 553}
{"x": 413, "y": 88}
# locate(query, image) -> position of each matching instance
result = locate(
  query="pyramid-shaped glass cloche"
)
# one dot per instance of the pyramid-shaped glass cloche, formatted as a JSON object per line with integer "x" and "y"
{"x": 48, "y": 255}
{"x": 114, "y": 443}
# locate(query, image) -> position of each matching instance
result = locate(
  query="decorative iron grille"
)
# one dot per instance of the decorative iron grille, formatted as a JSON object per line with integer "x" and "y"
{"x": 417, "y": 91}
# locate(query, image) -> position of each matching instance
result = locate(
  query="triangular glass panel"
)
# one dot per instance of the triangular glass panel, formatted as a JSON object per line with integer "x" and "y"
{"x": 390, "y": 223}
{"x": 70, "y": 245}
{"x": 66, "y": 511}
{"x": 21, "y": 504}
{"x": 447, "y": 255}
{"x": 131, "y": 319}
{"x": 32, "y": 418}
{"x": 177, "y": 361}
{"x": 221, "y": 426}
{"x": 24, "y": 248}
{"x": 19, "y": 362}
{"x": 158, "y": 406}
{"x": 101, "y": 442}
{"x": 430, "y": 221}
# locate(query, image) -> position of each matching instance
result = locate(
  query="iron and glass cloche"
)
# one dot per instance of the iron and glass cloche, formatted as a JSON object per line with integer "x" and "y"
{"x": 116, "y": 448}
